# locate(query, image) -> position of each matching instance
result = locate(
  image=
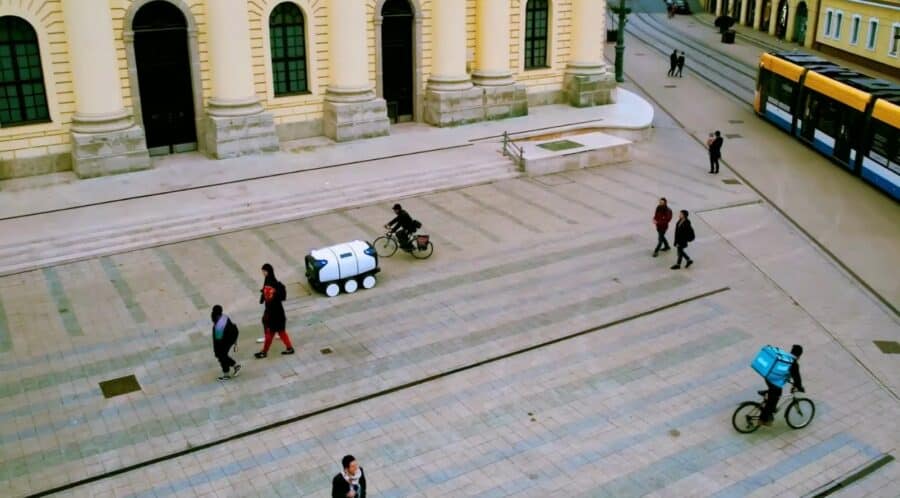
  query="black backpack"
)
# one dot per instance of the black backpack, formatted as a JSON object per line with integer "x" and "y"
{"x": 690, "y": 233}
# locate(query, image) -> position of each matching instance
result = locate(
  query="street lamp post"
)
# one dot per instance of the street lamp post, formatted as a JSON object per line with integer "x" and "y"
{"x": 622, "y": 12}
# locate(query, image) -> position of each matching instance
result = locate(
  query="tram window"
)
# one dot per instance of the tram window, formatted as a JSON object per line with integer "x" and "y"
{"x": 780, "y": 92}
{"x": 885, "y": 148}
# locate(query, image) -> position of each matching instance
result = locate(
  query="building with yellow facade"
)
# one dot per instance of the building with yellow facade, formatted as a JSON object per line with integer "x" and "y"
{"x": 865, "y": 31}
{"x": 98, "y": 86}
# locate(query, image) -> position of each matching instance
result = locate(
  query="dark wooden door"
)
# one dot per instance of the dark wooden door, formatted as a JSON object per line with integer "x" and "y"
{"x": 397, "y": 59}
{"x": 164, "y": 78}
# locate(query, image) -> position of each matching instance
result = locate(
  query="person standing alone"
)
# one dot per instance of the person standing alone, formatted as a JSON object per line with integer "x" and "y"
{"x": 715, "y": 151}
{"x": 225, "y": 334}
{"x": 673, "y": 62}
{"x": 661, "y": 219}
{"x": 350, "y": 482}
{"x": 274, "y": 321}
{"x": 679, "y": 62}
{"x": 684, "y": 233}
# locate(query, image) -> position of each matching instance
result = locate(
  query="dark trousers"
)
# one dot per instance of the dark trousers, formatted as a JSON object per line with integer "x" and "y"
{"x": 771, "y": 402}
{"x": 682, "y": 255}
{"x": 678, "y": 71}
{"x": 713, "y": 164}
{"x": 224, "y": 360}
{"x": 671, "y": 70}
{"x": 661, "y": 243}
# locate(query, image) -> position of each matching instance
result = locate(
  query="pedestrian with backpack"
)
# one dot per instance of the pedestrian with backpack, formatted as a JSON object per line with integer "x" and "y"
{"x": 274, "y": 321}
{"x": 684, "y": 233}
{"x": 225, "y": 335}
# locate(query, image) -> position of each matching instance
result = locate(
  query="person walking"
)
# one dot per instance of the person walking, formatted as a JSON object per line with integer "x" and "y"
{"x": 684, "y": 233}
{"x": 673, "y": 62}
{"x": 661, "y": 219}
{"x": 225, "y": 334}
{"x": 350, "y": 482}
{"x": 714, "y": 143}
{"x": 274, "y": 321}
{"x": 679, "y": 63}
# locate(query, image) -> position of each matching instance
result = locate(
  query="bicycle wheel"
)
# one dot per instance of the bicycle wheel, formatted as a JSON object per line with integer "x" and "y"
{"x": 423, "y": 253}
{"x": 800, "y": 413}
{"x": 385, "y": 246}
{"x": 746, "y": 417}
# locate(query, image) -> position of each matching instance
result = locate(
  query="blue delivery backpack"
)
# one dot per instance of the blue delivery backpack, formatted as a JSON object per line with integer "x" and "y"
{"x": 774, "y": 364}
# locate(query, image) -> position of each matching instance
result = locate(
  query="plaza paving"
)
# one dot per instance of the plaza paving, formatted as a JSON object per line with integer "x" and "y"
{"x": 540, "y": 352}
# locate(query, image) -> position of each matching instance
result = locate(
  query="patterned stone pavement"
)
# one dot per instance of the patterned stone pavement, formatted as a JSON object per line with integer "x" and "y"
{"x": 540, "y": 352}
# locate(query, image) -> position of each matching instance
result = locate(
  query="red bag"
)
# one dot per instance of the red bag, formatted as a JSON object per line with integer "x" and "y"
{"x": 268, "y": 293}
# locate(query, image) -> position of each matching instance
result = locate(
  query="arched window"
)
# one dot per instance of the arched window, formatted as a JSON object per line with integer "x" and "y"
{"x": 22, "y": 94}
{"x": 537, "y": 15}
{"x": 288, "y": 40}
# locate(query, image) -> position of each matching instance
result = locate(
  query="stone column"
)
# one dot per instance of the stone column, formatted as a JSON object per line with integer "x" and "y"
{"x": 745, "y": 4}
{"x": 352, "y": 110}
{"x": 236, "y": 123}
{"x": 773, "y": 17}
{"x": 450, "y": 98}
{"x": 105, "y": 139}
{"x": 792, "y": 17}
{"x": 719, "y": 7}
{"x": 757, "y": 14}
{"x": 587, "y": 80}
{"x": 502, "y": 97}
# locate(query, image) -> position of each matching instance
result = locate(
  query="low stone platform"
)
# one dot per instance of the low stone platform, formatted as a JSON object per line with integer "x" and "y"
{"x": 574, "y": 152}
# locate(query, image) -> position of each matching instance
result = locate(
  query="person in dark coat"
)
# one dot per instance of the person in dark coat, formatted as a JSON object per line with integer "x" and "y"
{"x": 715, "y": 151}
{"x": 684, "y": 233}
{"x": 774, "y": 393}
{"x": 673, "y": 62}
{"x": 224, "y": 335}
{"x": 661, "y": 219}
{"x": 679, "y": 63}
{"x": 274, "y": 321}
{"x": 403, "y": 225}
{"x": 350, "y": 482}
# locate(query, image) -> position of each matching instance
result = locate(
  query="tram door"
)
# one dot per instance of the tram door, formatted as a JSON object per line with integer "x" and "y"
{"x": 831, "y": 127}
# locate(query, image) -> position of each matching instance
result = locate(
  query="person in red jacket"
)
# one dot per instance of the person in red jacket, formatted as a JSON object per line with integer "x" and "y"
{"x": 661, "y": 219}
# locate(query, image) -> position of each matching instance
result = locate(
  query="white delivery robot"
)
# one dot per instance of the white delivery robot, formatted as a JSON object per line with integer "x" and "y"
{"x": 342, "y": 266}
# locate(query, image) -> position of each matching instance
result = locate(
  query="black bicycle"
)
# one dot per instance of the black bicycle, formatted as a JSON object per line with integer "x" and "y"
{"x": 419, "y": 246}
{"x": 798, "y": 414}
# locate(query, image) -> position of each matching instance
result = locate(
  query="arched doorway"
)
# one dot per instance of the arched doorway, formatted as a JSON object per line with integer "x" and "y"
{"x": 751, "y": 11}
{"x": 766, "y": 15}
{"x": 736, "y": 9}
{"x": 164, "y": 78}
{"x": 397, "y": 63}
{"x": 800, "y": 23}
{"x": 781, "y": 19}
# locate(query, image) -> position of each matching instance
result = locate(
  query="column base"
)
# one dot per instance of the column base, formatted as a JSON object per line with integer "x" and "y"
{"x": 501, "y": 102}
{"x": 454, "y": 107}
{"x": 233, "y": 136}
{"x": 587, "y": 87}
{"x": 110, "y": 152}
{"x": 355, "y": 119}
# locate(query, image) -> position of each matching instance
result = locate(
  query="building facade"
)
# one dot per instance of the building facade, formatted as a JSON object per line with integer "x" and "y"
{"x": 98, "y": 86}
{"x": 865, "y": 31}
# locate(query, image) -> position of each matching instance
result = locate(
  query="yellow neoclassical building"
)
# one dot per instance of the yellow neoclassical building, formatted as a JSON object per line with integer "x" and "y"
{"x": 98, "y": 86}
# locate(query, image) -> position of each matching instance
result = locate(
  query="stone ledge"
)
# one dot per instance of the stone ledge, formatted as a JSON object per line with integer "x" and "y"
{"x": 585, "y": 90}
{"x": 109, "y": 153}
{"x": 345, "y": 121}
{"x": 235, "y": 136}
{"x": 454, "y": 107}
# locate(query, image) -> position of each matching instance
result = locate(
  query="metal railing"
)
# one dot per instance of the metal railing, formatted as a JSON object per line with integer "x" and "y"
{"x": 513, "y": 151}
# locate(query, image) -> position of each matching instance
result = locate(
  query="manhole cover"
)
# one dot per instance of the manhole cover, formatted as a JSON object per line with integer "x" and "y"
{"x": 735, "y": 121}
{"x": 731, "y": 181}
{"x": 888, "y": 347}
{"x": 732, "y": 135}
{"x": 674, "y": 433}
{"x": 326, "y": 351}
{"x": 670, "y": 86}
{"x": 117, "y": 387}
{"x": 559, "y": 145}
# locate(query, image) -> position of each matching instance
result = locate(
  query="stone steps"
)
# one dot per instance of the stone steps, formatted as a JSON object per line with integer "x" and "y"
{"x": 64, "y": 248}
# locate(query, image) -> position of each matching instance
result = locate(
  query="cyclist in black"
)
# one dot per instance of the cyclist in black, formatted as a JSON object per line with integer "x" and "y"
{"x": 403, "y": 225}
{"x": 774, "y": 393}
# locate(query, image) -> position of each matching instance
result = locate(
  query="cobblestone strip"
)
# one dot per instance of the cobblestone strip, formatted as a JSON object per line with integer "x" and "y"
{"x": 307, "y": 226}
{"x": 232, "y": 265}
{"x": 524, "y": 200}
{"x": 370, "y": 232}
{"x": 63, "y": 306}
{"x": 466, "y": 223}
{"x": 124, "y": 290}
{"x": 499, "y": 212}
{"x": 651, "y": 180}
{"x": 5, "y": 338}
{"x": 530, "y": 184}
{"x": 187, "y": 286}
{"x": 605, "y": 192}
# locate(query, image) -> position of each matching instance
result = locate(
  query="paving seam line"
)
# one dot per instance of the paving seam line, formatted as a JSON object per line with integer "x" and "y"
{"x": 850, "y": 478}
{"x": 879, "y": 299}
{"x": 377, "y": 394}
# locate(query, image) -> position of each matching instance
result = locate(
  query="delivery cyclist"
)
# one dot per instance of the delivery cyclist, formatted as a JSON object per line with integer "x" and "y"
{"x": 403, "y": 225}
{"x": 774, "y": 393}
